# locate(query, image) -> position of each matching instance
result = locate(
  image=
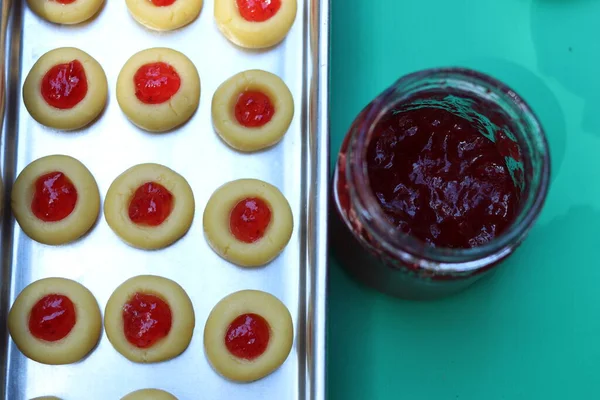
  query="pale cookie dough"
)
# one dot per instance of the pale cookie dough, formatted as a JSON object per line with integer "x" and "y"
{"x": 76, "y": 224}
{"x": 280, "y": 341}
{"x": 149, "y": 394}
{"x": 222, "y": 241}
{"x": 73, "y": 347}
{"x": 83, "y": 113}
{"x": 182, "y": 314}
{"x": 68, "y": 14}
{"x": 255, "y": 138}
{"x": 173, "y": 112}
{"x": 164, "y": 18}
{"x": 118, "y": 197}
{"x": 254, "y": 35}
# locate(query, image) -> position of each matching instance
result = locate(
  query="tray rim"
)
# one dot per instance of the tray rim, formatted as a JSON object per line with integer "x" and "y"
{"x": 320, "y": 231}
{"x": 317, "y": 64}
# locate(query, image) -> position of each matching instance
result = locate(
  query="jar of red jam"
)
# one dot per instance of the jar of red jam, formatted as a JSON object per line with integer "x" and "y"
{"x": 438, "y": 180}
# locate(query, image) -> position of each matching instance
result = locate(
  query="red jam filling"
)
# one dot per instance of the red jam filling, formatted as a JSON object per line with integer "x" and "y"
{"x": 253, "y": 109}
{"x": 162, "y": 3}
{"x": 151, "y": 204}
{"x": 146, "y": 320}
{"x": 258, "y": 10}
{"x": 54, "y": 198}
{"x": 249, "y": 219}
{"x": 156, "y": 83}
{"x": 438, "y": 179}
{"x": 64, "y": 85}
{"x": 248, "y": 336}
{"x": 52, "y": 318}
{"x": 65, "y": 1}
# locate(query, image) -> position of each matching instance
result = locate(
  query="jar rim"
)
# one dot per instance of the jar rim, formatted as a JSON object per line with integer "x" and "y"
{"x": 406, "y": 247}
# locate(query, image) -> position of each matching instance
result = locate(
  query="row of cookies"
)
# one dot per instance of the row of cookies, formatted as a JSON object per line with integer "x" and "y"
{"x": 158, "y": 89}
{"x": 55, "y": 200}
{"x": 143, "y": 394}
{"x": 247, "y": 23}
{"x": 150, "y": 319}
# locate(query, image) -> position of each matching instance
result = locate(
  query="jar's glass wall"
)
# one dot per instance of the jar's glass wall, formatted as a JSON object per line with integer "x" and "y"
{"x": 499, "y": 115}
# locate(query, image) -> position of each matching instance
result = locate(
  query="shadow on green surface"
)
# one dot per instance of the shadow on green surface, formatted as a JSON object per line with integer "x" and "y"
{"x": 567, "y": 52}
{"x": 530, "y": 331}
{"x": 484, "y": 329}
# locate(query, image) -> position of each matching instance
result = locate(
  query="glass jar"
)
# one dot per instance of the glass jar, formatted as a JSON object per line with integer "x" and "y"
{"x": 377, "y": 252}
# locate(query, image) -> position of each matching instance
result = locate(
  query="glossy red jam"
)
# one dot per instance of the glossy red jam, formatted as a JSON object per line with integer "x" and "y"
{"x": 52, "y": 317}
{"x": 156, "y": 83}
{"x": 146, "y": 320}
{"x": 437, "y": 182}
{"x": 64, "y": 85}
{"x": 438, "y": 179}
{"x": 54, "y": 197}
{"x": 65, "y": 1}
{"x": 253, "y": 109}
{"x": 249, "y": 219}
{"x": 151, "y": 204}
{"x": 258, "y": 10}
{"x": 248, "y": 336}
{"x": 162, "y": 3}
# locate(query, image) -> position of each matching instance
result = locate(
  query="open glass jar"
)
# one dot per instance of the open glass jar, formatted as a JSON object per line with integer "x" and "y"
{"x": 374, "y": 249}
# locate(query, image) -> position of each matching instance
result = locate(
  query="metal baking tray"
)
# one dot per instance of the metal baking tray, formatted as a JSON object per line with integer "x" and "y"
{"x": 101, "y": 261}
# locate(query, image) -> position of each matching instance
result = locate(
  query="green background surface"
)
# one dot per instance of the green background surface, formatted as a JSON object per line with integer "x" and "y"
{"x": 531, "y": 331}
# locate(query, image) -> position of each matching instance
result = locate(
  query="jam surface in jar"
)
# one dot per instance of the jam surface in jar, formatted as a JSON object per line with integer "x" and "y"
{"x": 439, "y": 180}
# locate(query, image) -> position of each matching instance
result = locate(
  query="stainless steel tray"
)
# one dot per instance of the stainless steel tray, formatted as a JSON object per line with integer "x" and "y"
{"x": 101, "y": 261}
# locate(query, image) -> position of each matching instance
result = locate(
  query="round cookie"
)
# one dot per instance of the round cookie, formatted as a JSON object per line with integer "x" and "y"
{"x": 149, "y": 206}
{"x": 65, "y": 89}
{"x": 66, "y": 12}
{"x": 252, "y": 110}
{"x": 158, "y": 89}
{"x": 43, "y": 195}
{"x": 149, "y": 394}
{"x": 243, "y": 230}
{"x": 164, "y": 15}
{"x": 248, "y": 335}
{"x": 255, "y": 24}
{"x": 149, "y": 298}
{"x": 55, "y": 321}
